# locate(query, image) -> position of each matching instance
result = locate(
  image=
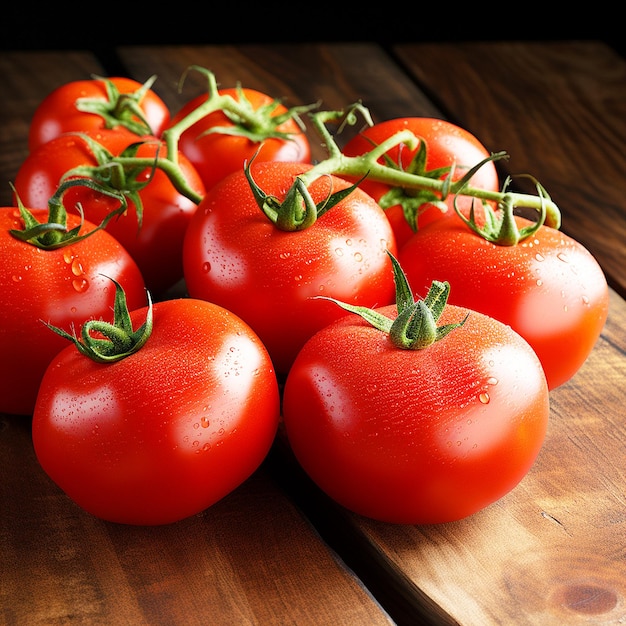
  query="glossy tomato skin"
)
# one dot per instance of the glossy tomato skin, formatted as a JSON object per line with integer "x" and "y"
{"x": 167, "y": 431}
{"x": 447, "y": 145}
{"x": 64, "y": 287}
{"x": 235, "y": 256}
{"x": 57, "y": 112}
{"x": 549, "y": 288}
{"x": 157, "y": 246}
{"x": 215, "y": 155}
{"x": 416, "y": 436}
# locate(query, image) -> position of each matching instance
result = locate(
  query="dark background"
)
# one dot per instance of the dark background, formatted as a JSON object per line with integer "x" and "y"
{"x": 101, "y": 26}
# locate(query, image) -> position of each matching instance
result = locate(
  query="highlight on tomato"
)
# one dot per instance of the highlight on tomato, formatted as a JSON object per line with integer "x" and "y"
{"x": 156, "y": 416}
{"x": 222, "y": 129}
{"x": 98, "y": 103}
{"x": 545, "y": 285}
{"x": 420, "y": 412}
{"x": 262, "y": 244}
{"x": 161, "y": 193}
{"x": 53, "y": 268}
{"x": 444, "y": 150}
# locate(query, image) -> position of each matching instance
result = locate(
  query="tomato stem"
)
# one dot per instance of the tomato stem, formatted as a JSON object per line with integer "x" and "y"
{"x": 53, "y": 234}
{"x": 415, "y": 326}
{"x": 368, "y": 165}
{"x": 115, "y": 340}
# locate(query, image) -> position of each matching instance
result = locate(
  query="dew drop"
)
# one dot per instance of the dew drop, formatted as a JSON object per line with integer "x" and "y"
{"x": 298, "y": 278}
{"x": 585, "y": 300}
{"x": 80, "y": 284}
{"x": 284, "y": 255}
{"x": 492, "y": 381}
{"x": 358, "y": 256}
{"x": 539, "y": 257}
{"x": 484, "y": 398}
{"x": 561, "y": 256}
{"x": 77, "y": 267}
{"x": 16, "y": 278}
{"x": 539, "y": 282}
{"x": 204, "y": 422}
{"x": 206, "y": 267}
{"x": 339, "y": 251}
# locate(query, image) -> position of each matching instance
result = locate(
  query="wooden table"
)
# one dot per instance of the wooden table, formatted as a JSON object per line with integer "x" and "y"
{"x": 276, "y": 551}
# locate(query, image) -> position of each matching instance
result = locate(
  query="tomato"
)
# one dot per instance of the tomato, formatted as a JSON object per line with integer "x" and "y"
{"x": 63, "y": 286}
{"x": 447, "y": 145}
{"x": 157, "y": 245}
{"x": 235, "y": 256}
{"x": 95, "y": 104}
{"x": 218, "y": 145}
{"x": 416, "y": 436}
{"x": 167, "y": 431}
{"x": 548, "y": 287}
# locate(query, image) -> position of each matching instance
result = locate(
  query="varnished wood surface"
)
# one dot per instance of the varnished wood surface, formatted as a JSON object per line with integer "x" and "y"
{"x": 553, "y": 551}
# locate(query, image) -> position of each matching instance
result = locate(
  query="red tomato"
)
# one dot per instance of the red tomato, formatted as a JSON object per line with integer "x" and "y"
{"x": 64, "y": 287}
{"x": 446, "y": 145}
{"x": 215, "y": 152}
{"x": 548, "y": 287}
{"x": 157, "y": 245}
{"x": 416, "y": 436}
{"x": 164, "y": 433}
{"x": 235, "y": 256}
{"x": 63, "y": 110}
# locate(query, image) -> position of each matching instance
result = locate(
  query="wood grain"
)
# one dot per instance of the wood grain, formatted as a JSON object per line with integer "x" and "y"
{"x": 559, "y": 110}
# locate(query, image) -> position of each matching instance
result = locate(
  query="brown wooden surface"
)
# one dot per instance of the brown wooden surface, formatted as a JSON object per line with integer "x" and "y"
{"x": 553, "y": 551}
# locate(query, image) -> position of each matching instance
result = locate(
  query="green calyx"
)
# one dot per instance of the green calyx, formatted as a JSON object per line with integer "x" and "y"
{"x": 298, "y": 210}
{"x": 415, "y": 326}
{"x": 54, "y": 233}
{"x": 114, "y": 341}
{"x": 119, "y": 109}
{"x": 259, "y": 124}
{"x": 500, "y": 227}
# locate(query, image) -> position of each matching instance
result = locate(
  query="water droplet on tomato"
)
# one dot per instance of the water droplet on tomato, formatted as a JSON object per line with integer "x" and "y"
{"x": 339, "y": 251}
{"x": 358, "y": 257}
{"x": 77, "y": 267}
{"x": 80, "y": 284}
{"x": 16, "y": 278}
{"x": 484, "y": 398}
{"x": 539, "y": 257}
{"x": 206, "y": 267}
{"x": 585, "y": 300}
{"x": 492, "y": 381}
{"x": 284, "y": 255}
{"x": 561, "y": 256}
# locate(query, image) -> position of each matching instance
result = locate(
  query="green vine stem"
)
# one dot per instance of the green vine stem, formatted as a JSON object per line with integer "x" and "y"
{"x": 339, "y": 164}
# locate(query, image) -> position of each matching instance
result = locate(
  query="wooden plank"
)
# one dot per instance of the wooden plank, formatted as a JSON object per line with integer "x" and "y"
{"x": 559, "y": 110}
{"x": 252, "y": 558}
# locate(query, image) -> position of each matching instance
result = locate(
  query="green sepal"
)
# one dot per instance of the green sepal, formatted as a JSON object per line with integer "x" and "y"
{"x": 120, "y": 340}
{"x": 415, "y": 326}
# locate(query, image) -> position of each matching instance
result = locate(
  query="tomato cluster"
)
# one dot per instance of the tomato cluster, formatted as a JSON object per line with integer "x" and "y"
{"x": 414, "y": 322}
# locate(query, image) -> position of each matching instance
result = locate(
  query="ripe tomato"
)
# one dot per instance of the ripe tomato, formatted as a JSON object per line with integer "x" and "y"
{"x": 446, "y": 145}
{"x": 218, "y": 145}
{"x": 95, "y": 104}
{"x": 235, "y": 256}
{"x": 63, "y": 286}
{"x": 548, "y": 287}
{"x": 167, "y": 431}
{"x": 157, "y": 245}
{"x": 416, "y": 436}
